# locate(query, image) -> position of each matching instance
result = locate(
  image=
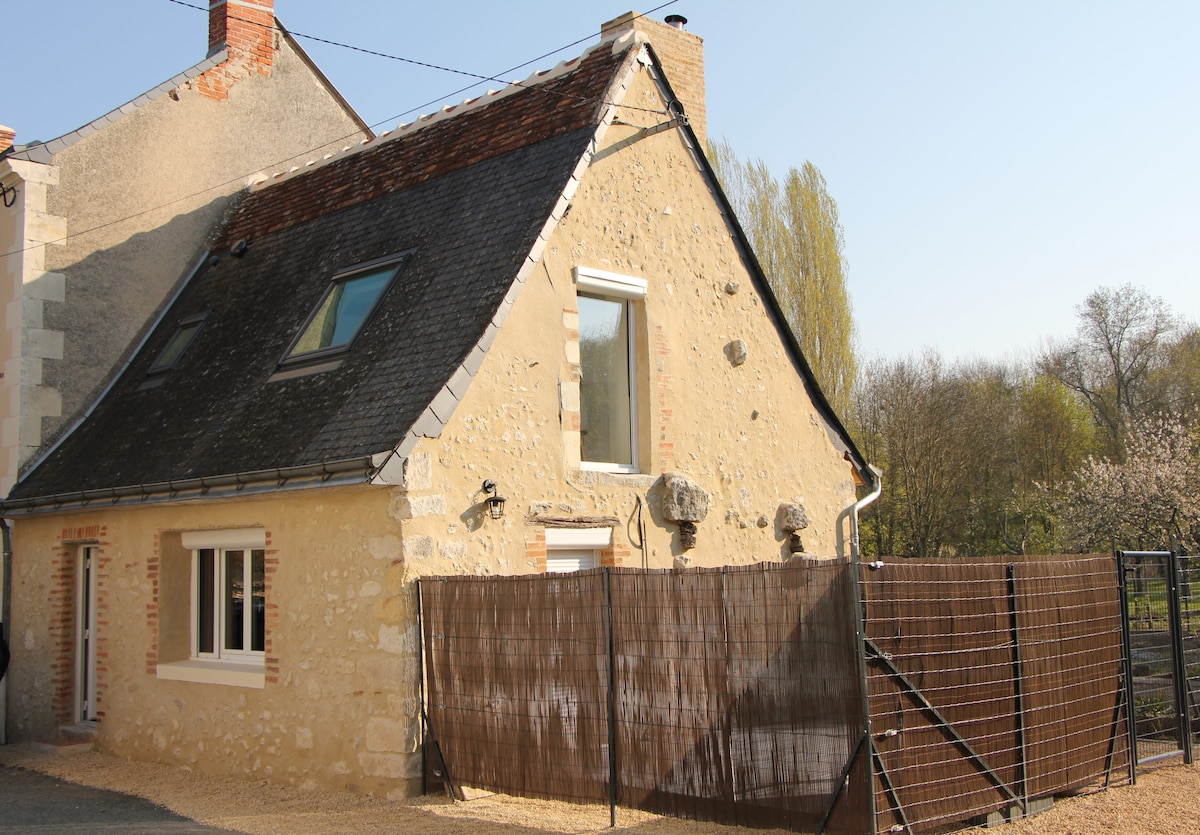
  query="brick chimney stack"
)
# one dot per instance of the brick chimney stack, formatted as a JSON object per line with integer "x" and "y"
{"x": 247, "y": 29}
{"x": 7, "y": 137}
{"x": 682, "y": 55}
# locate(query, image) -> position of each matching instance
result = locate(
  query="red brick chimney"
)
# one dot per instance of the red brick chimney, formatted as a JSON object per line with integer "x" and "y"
{"x": 7, "y": 137}
{"x": 247, "y": 29}
{"x": 682, "y": 56}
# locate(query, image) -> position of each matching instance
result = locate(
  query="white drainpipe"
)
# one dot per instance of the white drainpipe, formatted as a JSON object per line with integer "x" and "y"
{"x": 859, "y": 505}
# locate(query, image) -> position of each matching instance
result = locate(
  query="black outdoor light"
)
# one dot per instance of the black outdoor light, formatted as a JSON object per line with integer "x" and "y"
{"x": 495, "y": 502}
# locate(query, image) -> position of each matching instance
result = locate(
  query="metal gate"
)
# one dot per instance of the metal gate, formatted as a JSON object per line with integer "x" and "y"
{"x": 1162, "y": 634}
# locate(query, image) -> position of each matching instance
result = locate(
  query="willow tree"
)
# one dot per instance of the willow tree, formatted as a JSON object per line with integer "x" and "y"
{"x": 794, "y": 228}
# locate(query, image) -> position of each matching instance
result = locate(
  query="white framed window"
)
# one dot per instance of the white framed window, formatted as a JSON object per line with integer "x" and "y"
{"x": 608, "y": 358}
{"x": 575, "y": 549}
{"x": 344, "y": 308}
{"x": 227, "y": 603}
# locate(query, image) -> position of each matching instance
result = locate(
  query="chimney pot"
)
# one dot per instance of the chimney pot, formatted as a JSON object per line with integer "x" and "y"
{"x": 676, "y": 20}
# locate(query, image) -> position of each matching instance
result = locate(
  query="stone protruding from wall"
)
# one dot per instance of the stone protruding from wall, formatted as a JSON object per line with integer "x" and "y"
{"x": 793, "y": 517}
{"x": 682, "y": 56}
{"x": 686, "y": 503}
{"x": 246, "y": 28}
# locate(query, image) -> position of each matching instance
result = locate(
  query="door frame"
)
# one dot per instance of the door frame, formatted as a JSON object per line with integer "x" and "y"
{"x": 86, "y": 634}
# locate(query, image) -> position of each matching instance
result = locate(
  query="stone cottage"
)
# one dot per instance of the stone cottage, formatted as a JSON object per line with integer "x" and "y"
{"x": 523, "y": 334}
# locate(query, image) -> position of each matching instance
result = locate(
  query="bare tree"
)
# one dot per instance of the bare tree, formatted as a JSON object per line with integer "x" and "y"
{"x": 1120, "y": 345}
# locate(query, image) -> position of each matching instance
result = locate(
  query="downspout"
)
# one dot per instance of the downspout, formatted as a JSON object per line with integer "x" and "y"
{"x": 5, "y": 622}
{"x": 859, "y": 505}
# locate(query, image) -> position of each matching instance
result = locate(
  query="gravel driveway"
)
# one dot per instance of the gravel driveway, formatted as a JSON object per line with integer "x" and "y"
{"x": 1166, "y": 799}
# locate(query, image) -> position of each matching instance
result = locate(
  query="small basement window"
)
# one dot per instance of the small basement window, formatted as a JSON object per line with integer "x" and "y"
{"x": 183, "y": 337}
{"x": 345, "y": 307}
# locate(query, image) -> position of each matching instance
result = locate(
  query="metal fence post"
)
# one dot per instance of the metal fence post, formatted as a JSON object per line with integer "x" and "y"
{"x": 1183, "y": 713}
{"x": 421, "y": 689}
{"x": 1127, "y": 653}
{"x": 1018, "y": 685}
{"x": 612, "y": 699}
{"x": 860, "y": 629}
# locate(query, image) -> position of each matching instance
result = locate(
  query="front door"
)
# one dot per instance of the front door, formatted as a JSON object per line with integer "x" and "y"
{"x": 85, "y": 674}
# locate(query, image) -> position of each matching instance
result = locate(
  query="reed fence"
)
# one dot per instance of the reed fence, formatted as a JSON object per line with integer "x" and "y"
{"x": 818, "y": 697}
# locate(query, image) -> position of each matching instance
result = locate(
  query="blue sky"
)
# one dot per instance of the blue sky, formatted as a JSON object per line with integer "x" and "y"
{"x": 993, "y": 161}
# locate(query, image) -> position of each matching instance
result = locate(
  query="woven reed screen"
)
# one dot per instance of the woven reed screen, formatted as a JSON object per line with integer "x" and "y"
{"x": 736, "y": 693}
{"x": 1021, "y": 661}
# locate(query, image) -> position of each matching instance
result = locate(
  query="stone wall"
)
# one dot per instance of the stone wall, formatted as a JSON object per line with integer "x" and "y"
{"x": 338, "y": 704}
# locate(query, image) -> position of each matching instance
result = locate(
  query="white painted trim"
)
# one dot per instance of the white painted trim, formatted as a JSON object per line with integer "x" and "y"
{"x": 578, "y": 538}
{"x": 230, "y": 674}
{"x": 225, "y": 538}
{"x": 610, "y": 284}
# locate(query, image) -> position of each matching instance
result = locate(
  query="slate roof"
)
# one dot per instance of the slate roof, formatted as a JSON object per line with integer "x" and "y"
{"x": 473, "y": 193}
{"x": 469, "y": 195}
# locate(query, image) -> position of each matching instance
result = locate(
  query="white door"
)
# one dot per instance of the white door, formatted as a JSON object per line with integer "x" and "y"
{"x": 85, "y": 630}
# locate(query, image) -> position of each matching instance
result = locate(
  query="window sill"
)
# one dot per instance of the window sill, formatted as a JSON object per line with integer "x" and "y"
{"x": 228, "y": 673}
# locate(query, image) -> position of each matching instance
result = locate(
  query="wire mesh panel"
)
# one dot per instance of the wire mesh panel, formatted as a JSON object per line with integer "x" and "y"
{"x": 517, "y": 682}
{"x": 991, "y": 682}
{"x": 1189, "y": 615}
{"x": 1073, "y": 699}
{"x": 738, "y": 697}
{"x": 942, "y": 690}
{"x": 1163, "y": 645}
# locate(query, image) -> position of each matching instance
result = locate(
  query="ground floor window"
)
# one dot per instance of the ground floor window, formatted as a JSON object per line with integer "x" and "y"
{"x": 230, "y": 602}
{"x": 575, "y": 549}
{"x": 212, "y": 589}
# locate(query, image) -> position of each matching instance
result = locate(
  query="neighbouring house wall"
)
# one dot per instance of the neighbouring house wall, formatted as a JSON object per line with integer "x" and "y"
{"x": 339, "y": 705}
{"x": 748, "y": 434}
{"x": 136, "y": 202}
{"x": 25, "y": 286}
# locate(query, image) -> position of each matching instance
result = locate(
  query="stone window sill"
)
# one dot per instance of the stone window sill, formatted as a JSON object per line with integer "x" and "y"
{"x": 230, "y": 674}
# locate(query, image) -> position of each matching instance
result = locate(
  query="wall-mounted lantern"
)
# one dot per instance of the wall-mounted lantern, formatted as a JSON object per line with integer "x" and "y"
{"x": 495, "y": 502}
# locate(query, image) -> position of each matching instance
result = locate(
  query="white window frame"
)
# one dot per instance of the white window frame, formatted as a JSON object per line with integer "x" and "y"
{"x": 579, "y": 548}
{"x": 238, "y": 668}
{"x": 219, "y": 580}
{"x": 630, "y": 289}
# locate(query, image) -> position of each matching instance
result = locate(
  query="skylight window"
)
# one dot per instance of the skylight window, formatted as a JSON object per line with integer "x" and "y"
{"x": 344, "y": 309}
{"x": 179, "y": 342}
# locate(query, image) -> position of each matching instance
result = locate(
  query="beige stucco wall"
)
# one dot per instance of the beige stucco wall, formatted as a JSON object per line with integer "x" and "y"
{"x": 340, "y": 710}
{"x": 748, "y": 434}
{"x": 136, "y": 201}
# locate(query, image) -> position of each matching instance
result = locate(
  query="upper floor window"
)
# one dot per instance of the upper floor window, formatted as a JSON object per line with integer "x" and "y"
{"x": 179, "y": 342}
{"x": 348, "y": 303}
{"x": 608, "y": 309}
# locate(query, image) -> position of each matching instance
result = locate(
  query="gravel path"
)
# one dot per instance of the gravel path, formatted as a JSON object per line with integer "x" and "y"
{"x": 1164, "y": 800}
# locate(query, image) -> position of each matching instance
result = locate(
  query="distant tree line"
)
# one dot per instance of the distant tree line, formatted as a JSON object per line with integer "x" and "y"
{"x": 1092, "y": 444}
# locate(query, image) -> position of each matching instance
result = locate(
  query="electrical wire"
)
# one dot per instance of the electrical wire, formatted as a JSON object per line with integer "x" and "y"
{"x": 427, "y": 65}
{"x": 350, "y": 136}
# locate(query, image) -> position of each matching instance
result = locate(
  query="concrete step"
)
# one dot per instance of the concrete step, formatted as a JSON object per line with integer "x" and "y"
{"x": 82, "y": 731}
{"x": 62, "y": 746}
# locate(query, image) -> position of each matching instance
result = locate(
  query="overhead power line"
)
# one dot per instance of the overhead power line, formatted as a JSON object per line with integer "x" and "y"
{"x": 243, "y": 177}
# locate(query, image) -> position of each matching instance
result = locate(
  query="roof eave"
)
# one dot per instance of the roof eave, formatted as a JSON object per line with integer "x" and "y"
{"x": 327, "y": 474}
